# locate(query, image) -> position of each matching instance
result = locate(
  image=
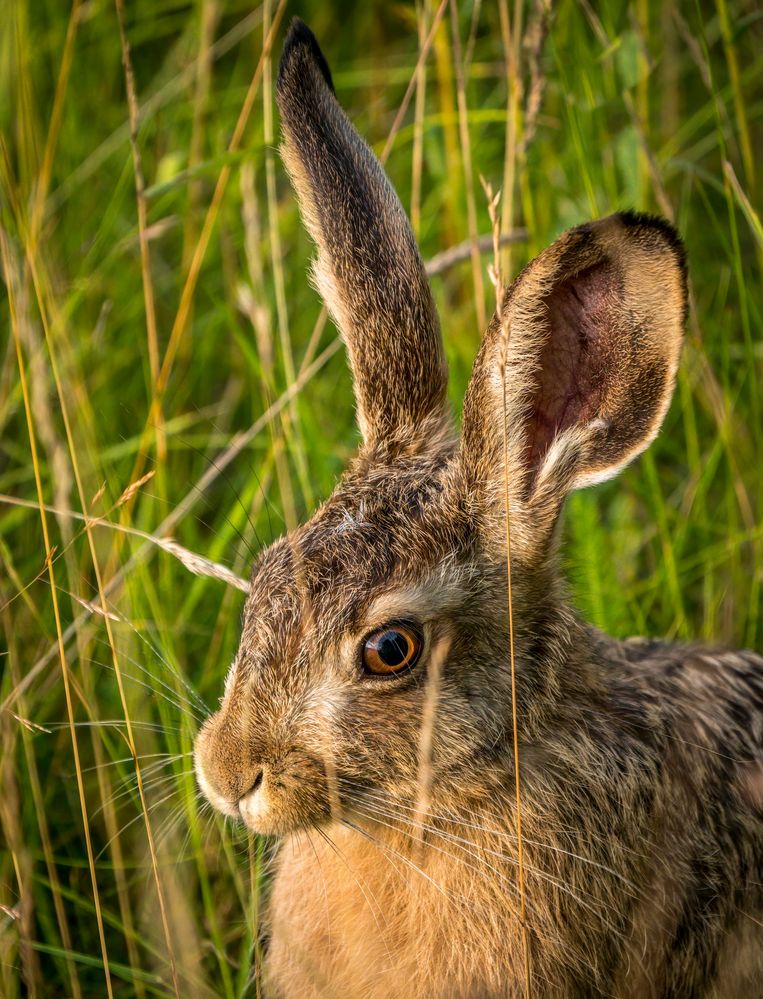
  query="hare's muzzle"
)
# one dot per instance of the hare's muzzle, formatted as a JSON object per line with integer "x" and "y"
{"x": 224, "y": 774}
{"x": 273, "y": 788}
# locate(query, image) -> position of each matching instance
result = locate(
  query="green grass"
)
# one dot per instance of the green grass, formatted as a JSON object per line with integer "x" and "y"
{"x": 653, "y": 105}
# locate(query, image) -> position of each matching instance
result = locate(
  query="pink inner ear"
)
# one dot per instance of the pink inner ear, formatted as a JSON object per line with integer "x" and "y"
{"x": 577, "y": 363}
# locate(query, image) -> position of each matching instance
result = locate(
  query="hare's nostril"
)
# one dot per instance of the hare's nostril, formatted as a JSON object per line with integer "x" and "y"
{"x": 255, "y": 784}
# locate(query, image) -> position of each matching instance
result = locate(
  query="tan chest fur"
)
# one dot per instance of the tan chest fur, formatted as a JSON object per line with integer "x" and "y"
{"x": 358, "y": 920}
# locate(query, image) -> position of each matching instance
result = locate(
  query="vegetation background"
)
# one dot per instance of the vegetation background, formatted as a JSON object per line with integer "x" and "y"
{"x": 166, "y": 373}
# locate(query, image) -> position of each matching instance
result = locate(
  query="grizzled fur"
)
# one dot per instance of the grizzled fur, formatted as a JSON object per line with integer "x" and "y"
{"x": 641, "y": 762}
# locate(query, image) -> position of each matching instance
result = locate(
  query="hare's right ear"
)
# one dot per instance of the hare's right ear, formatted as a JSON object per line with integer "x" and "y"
{"x": 575, "y": 372}
{"x": 368, "y": 268}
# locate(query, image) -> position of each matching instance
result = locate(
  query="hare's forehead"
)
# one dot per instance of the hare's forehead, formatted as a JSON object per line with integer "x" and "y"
{"x": 315, "y": 591}
{"x": 357, "y": 542}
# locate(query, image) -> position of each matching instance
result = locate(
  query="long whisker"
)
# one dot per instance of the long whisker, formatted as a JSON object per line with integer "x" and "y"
{"x": 151, "y": 782}
{"x": 150, "y": 808}
{"x": 463, "y": 845}
{"x": 183, "y": 706}
{"x": 187, "y": 695}
{"x": 115, "y": 723}
{"x": 454, "y": 819}
{"x": 195, "y": 696}
{"x": 129, "y": 759}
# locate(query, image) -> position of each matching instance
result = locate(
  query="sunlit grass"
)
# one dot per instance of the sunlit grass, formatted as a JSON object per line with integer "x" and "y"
{"x": 173, "y": 331}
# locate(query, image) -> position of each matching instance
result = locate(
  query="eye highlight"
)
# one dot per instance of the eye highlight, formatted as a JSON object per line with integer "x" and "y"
{"x": 391, "y": 650}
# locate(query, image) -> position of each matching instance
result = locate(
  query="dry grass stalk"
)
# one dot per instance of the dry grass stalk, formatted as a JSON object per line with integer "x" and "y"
{"x": 534, "y": 44}
{"x": 291, "y": 436}
{"x": 131, "y": 490}
{"x": 510, "y": 38}
{"x": 455, "y": 255}
{"x": 62, "y": 399}
{"x": 182, "y": 315}
{"x": 423, "y": 53}
{"x": 426, "y": 739}
{"x": 249, "y": 302}
{"x": 195, "y": 563}
{"x": 417, "y": 158}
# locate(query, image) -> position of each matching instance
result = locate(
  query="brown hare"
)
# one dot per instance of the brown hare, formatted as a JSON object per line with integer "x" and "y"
{"x": 367, "y": 720}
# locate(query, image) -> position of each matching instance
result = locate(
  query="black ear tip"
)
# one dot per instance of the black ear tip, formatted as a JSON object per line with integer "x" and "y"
{"x": 656, "y": 224}
{"x": 300, "y": 44}
{"x": 647, "y": 226}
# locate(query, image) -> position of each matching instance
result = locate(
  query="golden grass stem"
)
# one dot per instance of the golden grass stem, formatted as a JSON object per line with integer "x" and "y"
{"x": 280, "y": 427}
{"x": 179, "y": 325}
{"x": 520, "y": 849}
{"x": 106, "y": 616}
{"x": 208, "y": 19}
{"x": 291, "y": 433}
{"x": 54, "y": 126}
{"x": 466, "y": 159}
{"x": 140, "y": 194}
{"x": 42, "y": 823}
{"x": 510, "y": 41}
{"x": 506, "y": 332}
{"x": 417, "y": 157}
{"x": 423, "y": 53}
{"x": 56, "y": 613}
{"x": 740, "y": 107}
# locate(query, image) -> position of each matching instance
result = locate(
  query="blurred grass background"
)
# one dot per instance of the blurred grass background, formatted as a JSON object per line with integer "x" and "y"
{"x": 165, "y": 368}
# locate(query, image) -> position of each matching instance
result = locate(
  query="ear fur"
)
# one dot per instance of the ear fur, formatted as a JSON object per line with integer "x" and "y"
{"x": 580, "y": 364}
{"x": 368, "y": 267}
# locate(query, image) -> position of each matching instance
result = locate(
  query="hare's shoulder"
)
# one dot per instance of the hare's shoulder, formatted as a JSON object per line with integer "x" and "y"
{"x": 702, "y": 718}
{"x": 708, "y": 676}
{"x": 707, "y": 700}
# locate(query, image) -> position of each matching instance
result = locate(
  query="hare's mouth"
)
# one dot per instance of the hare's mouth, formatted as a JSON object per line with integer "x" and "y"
{"x": 276, "y": 802}
{"x": 256, "y": 808}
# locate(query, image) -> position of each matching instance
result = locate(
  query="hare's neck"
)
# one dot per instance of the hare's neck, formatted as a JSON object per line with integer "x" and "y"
{"x": 558, "y": 659}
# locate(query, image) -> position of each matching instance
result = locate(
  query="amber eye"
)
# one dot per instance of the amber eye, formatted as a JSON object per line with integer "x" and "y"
{"x": 391, "y": 650}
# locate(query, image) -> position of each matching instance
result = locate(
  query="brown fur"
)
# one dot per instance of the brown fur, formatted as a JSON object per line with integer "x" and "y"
{"x": 641, "y": 762}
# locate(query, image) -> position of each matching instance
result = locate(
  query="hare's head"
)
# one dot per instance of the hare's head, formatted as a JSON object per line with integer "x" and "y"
{"x": 375, "y": 637}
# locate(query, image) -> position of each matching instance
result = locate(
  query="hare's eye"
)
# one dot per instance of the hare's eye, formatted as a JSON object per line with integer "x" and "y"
{"x": 391, "y": 650}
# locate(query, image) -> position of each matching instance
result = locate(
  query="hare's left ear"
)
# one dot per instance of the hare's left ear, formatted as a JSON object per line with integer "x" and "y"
{"x": 368, "y": 267}
{"x": 575, "y": 374}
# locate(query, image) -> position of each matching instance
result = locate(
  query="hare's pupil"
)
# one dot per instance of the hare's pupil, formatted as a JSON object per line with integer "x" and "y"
{"x": 392, "y": 648}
